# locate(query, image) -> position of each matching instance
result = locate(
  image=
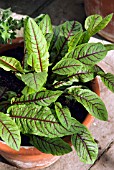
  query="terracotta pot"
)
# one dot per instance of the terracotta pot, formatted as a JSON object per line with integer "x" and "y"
{"x": 27, "y": 156}
{"x": 102, "y": 7}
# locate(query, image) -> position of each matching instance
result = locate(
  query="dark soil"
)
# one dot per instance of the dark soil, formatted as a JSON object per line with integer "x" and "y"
{"x": 76, "y": 109}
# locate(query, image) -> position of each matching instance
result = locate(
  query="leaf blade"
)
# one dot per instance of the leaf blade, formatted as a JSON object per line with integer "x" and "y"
{"x": 92, "y": 21}
{"x": 10, "y": 64}
{"x": 95, "y": 23}
{"x": 67, "y": 66}
{"x": 93, "y": 104}
{"x": 85, "y": 146}
{"x": 33, "y": 119}
{"x": 34, "y": 80}
{"x": 108, "y": 80}
{"x": 36, "y": 46}
{"x": 9, "y": 132}
{"x": 74, "y": 40}
{"x": 63, "y": 114}
{"x": 55, "y": 146}
{"x": 42, "y": 98}
{"x": 89, "y": 53}
{"x": 45, "y": 25}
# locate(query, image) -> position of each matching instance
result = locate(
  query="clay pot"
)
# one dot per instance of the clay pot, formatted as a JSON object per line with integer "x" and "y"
{"x": 28, "y": 156}
{"x": 102, "y": 7}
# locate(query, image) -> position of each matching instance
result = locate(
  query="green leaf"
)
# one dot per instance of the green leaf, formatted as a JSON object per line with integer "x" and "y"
{"x": 93, "y": 104}
{"x": 84, "y": 75}
{"x": 95, "y": 23}
{"x": 61, "y": 46}
{"x": 67, "y": 66}
{"x": 34, "y": 80}
{"x": 39, "y": 18}
{"x": 33, "y": 119}
{"x": 89, "y": 53}
{"x": 49, "y": 39}
{"x": 25, "y": 58}
{"x": 63, "y": 114}
{"x": 55, "y": 146}
{"x": 45, "y": 25}
{"x": 5, "y": 13}
{"x": 36, "y": 46}
{"x": 69, "y": 28}
{"x": 109, "y": 47}
{"x": 85, "y": 146}
{"x": 92, "y": 21}
{"x": 97, "y": 70}
{"x": 74, "y": 40}
{"x": 42, "y": 98}
{"x": 9, "y": 131}
{"x": 10, "y": 64}
{"x": 84, "y": 38}
{"x": 108, "y": 80}
{"x": 63, "y": 34}
{"x": 58, "y": 84}
{"x": 27, "y": 90}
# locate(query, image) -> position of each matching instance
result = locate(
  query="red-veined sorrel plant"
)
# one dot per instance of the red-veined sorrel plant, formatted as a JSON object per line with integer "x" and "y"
{"x": 58, "y": 62}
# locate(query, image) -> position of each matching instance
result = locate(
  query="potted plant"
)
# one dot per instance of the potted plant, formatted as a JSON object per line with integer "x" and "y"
{"x": 46, "y": 89}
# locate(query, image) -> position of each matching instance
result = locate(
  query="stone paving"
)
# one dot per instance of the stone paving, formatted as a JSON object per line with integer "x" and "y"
{"x": 62, "y": 10}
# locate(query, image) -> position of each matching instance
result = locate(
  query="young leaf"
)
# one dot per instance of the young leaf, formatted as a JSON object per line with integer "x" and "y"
{"x": 67, "y": 66}
{"x": 74, "y": 40}
{"x": 10, "y": 64}
{"x": 37, "y": 120}
{"x": 85, "y": 146}
{"x": 92, "y": 21}
{"x": 55, "y": 146}
{"x": 102, "y": 24}
{"x": 108, "y": 80}
{"x": 63, "y": 114}
{"x": 34, "y": 80}
{"x": 27, "y": 90}
{"x": 42, "y": 98}
{"x": 89, "y": 53}
{"x": 9, "y": 132}
{"x": 93, "y": 104}
{"x": 39, "y": 18}
{"x": 95, "y": 23}
{"x": 36, "y": 46}
{"x": 45, "y": 25}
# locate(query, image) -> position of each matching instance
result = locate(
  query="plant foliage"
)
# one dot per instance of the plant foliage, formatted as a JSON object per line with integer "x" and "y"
{"x": 58, "y": 64}
{"x": 8, "y": 26}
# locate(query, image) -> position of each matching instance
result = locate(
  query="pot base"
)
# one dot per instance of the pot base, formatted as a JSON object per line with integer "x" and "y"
{"x": 38, "y": 164}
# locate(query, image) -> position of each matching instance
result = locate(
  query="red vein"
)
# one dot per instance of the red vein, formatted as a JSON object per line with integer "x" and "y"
{"x": 8, "y": 64}
{"x": 37, "y": 47}
{"x": 9, "y": 133}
